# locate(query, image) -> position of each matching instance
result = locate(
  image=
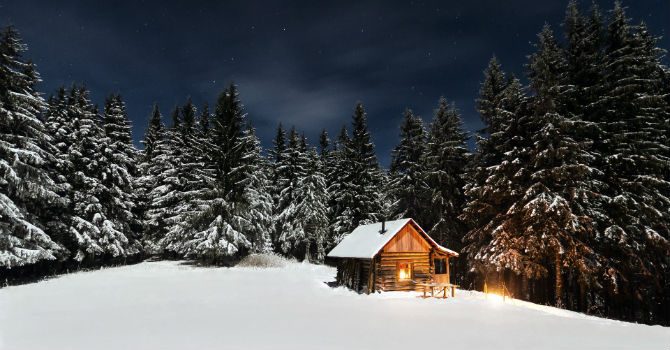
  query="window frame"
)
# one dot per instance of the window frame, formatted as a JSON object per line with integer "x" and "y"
{"x": 446, "y": 267}
{"x": 410, "y": 268}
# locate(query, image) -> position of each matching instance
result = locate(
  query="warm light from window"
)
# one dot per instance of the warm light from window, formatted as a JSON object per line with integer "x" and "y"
{"x": 404, "y": 271}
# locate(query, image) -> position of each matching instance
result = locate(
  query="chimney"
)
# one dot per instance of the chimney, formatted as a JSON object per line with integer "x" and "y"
{"x": 383, "y": 230}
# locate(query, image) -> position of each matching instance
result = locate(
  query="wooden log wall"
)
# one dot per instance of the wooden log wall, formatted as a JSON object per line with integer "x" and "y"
{"x": 386, "y": 278}
{"x": 354, "y": 274}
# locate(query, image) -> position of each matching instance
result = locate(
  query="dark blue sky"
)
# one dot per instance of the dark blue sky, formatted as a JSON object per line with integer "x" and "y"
{"x": 304, "y": 63}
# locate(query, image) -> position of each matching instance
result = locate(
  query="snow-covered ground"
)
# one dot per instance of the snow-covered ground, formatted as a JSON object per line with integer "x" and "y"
{"x": 167, "y": 305}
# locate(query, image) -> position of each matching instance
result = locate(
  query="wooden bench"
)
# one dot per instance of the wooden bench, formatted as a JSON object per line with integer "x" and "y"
{"x": 440, "y": 287}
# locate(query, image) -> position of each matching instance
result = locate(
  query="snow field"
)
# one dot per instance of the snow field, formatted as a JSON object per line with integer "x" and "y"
{"x": 170, "y": 305}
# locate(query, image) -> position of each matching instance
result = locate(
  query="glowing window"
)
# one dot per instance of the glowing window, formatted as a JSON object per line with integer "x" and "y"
{"x": 404, "y": 271}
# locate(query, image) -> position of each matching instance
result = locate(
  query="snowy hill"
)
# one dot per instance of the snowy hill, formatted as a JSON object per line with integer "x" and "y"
{"x": 167, "y": 305}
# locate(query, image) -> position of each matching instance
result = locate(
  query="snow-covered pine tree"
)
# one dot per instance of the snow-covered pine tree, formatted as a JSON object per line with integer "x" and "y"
{"x": 163, "y": 177}
{"x": 341, "y": 199}
{"x": 122, "y": 172}
{"x": 633, "y": 114}
{"x": 311, "y": 210}
{"x": 290, "y": 169}
{"x": 97, "y": 207}
{"x": 408, "y": 186}
{"x": 494, "y": 181}
{"x": 257, "y": 205}
{"x": 145, "y": 182}
{"x": 324, "y": 145}
{"x": 153, "y": 132}
{"x": 444, "y": 162}
{"x": 489, "y": 94}
{"x": 488, "y": 195}
{"x": 358, "y": 190}
{"x": 366, "y": 175}
{"x": 217, "y": 228}
{"x": 26, "y": 188}
{"x": 59, "y": 128}
{"x": 203, "y": 121}
{"x": 545, "y": 232}
{"x": 278, "y": 172}
{"x": 302, "y": 214}
{"x": 584, "y": 40}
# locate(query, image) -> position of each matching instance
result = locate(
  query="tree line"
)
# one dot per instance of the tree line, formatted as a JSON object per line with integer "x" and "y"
{"x": 564, "y": 201}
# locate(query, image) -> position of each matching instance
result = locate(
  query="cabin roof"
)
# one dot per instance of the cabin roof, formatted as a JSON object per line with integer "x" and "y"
{"x": 366, "y": 240}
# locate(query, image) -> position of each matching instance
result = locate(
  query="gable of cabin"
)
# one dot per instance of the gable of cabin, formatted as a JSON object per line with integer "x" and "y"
{"x": 403, "y": 261}
{"x": 408, "y": 239}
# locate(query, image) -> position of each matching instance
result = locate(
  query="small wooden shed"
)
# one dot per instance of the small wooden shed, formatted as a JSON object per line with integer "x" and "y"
{"x": 390, "y": 256}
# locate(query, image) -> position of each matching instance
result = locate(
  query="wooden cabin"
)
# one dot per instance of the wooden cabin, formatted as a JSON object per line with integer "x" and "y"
{"x": 390, "y": 256}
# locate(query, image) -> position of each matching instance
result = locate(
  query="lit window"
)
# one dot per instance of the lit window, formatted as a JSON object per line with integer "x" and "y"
{"x": 404, "y": 271}
{"x": 440, "y": 266}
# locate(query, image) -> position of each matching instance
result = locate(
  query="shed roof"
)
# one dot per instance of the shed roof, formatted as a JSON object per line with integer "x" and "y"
{"x": 366, "y": 240}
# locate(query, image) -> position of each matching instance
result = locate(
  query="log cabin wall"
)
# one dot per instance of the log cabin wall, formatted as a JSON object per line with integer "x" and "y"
{"x": 408, "y": 246}
{"x": 386, "y": 268}
{"x": 354, "y": 274}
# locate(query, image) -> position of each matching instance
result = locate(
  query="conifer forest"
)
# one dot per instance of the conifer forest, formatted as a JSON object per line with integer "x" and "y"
{"x": 563, "y": 197}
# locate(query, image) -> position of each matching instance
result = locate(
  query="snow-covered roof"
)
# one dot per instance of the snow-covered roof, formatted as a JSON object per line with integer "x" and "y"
{"x": 366, "y": 240}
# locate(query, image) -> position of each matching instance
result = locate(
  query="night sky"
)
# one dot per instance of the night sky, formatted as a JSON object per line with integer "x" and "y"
{"x": 301, "y": 63}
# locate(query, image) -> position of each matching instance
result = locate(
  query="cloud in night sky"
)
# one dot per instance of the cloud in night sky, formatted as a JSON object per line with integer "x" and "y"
{"x": 301, "y": 63}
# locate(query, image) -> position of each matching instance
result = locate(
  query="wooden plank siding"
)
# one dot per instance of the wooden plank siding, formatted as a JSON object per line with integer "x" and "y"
{"x": 407, "y": 240}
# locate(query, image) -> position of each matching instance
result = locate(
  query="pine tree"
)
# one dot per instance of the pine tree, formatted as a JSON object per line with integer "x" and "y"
{"x": 341, "y": 200}
{"x": 407, "y": 178}
{"x": 26, "y": 188}
{"x": 489, "y": 93}
{"x": 291, "y": 169}
{"x": 60, "y": 214}
{"x": 444, "y": 160}
{"x": 357, "y": 195}
{"x": 311, "y": 211}
{"x": 218, "y": 228}
{"x": 203, "y": 121}
{"x": 279, "y": 174}
{"x": 151, "y": 135}
{"x": 99, "y": 210}
{"x": 154, "y": 140}
{"x": 494, "y": 178}
{"x": 547, "y": 218}
{"x": 122, "y": 171}
{"x": 324, "y": 145}
{"x": 633, "y": 114}
{"x": 163, "y": 175}
{"x": 257, "y": 205}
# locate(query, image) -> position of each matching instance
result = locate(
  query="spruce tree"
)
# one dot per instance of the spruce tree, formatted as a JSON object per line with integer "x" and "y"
{"x": 357, "y": 196}
{"x": 445, "y": 159}
{"x": 121, "y": 174}
{"x": 292, "y": 169}
{"x": 99, "y": 211}
{"x": 407, "y": 178}
{"x": 324, "y": 144}
{"x": 164, "y": 194}
{"x": 26, "y": 188}
{"x": 219, "y": 228}
{"x": 154, "y": 138}
{"x": 633, "y": 115}
{"x": 339, "y": 186}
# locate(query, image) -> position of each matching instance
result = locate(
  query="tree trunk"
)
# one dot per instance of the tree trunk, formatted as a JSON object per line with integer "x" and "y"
{"x": 559, "y": 281}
